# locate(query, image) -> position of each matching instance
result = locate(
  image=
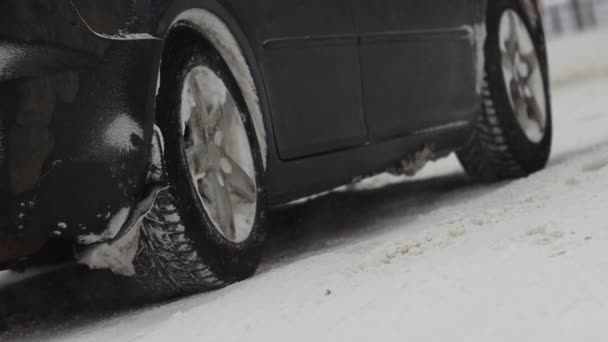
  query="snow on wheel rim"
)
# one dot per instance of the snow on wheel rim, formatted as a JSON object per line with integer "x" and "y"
{"x": 219, "y": 154}
{"x": 523, "y": 76}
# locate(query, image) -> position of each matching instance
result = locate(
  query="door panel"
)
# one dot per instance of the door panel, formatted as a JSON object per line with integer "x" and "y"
{"x": 418, "y": 66}
{"x": 408, "y": 15}
{"x": 309, "y": 58}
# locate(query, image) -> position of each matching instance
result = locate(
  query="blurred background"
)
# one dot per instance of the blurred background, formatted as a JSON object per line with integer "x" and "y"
{"x": 578, "y": 39}
{"x": 568, "y": 16}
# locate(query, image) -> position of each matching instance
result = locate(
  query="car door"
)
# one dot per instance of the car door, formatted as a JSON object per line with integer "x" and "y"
{"x": 309, "y": 59}
{"x": 418, "y": 64}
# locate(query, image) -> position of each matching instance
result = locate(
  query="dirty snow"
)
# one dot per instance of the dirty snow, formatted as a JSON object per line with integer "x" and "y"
{"x": 9, "y": 55}
{"x": 117, "y": 256}
{"x": 433, "y": 258}
{"x": 114, "y": 227}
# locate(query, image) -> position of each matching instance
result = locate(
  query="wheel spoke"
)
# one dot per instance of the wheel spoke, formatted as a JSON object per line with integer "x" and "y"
{"x": 512, "y": 43}
{"x": 535, "y": 112}
{"x": 198, "y": 159}
{"x": 519, "y": 104}
{"x": 197, "y": 130}
{"x": 220, "y": 127}
{"x": 230, "y": 112}
{"x": 239, "y": 182}
{"x": 507, "y": 60}
{"x": 215, "y": 117}
{"x": 197, "y": 127}
{"x": 214, "y": 189}
{"x": 531, "y": 62}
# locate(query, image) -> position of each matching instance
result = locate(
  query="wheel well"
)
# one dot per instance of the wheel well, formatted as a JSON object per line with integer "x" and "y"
{"x": 181, "y": 36}
{"x": 198, "y": 26}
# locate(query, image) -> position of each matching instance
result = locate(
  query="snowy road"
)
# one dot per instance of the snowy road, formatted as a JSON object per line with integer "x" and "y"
{"x": 434, "y": 258}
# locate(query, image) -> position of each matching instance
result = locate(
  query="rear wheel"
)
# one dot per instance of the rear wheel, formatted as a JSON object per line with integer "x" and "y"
{"x": 206, "y": 231}
{"x": 514, "y": 131}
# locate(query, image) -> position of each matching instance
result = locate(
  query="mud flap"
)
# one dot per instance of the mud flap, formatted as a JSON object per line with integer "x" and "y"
{"x": 118, "y": 253}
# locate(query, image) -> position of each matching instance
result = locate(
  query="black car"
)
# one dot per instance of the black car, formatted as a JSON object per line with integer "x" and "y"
{"x": 154, "y": 135}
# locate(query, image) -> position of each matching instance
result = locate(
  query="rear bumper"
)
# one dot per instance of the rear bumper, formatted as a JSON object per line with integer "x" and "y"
{"x": 76, "y": 120}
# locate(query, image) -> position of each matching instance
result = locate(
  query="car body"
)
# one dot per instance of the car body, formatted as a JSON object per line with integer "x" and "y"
{"x": 346, "y": 89}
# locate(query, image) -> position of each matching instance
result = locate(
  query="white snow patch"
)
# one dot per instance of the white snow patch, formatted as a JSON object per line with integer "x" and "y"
{"x": 116, "y": 256}
{"x": 118, "y": 135}
{"x": 224, "y": 41}
{"x": 121, "y": 35}
{"x": 215, "y": 94}
{"x": 157, "y": 151}
{"x": 114, "y": 227}
{"x": 9, "y": 54}
{"x": 156, "y": 172}
{"x": 173, "y": 218}
{"x": 117, "y": 252}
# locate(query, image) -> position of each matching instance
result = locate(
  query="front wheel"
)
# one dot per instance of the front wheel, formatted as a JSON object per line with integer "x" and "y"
{"x": 206, "y": 231}
{"x": 514, "y": 130}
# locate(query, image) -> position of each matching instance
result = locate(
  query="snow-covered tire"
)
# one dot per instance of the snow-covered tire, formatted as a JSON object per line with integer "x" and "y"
{"x": 167, "y": 261}
{"x": 180, "y": 250}
{"x": 500, "y": 148}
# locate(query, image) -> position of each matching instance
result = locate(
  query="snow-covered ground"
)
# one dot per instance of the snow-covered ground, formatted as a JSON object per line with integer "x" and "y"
{"x": 434, "y": 258}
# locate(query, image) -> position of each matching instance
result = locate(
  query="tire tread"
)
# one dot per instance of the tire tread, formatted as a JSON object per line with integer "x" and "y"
{"x": 488, "y": 157}
{"x": 167, "y": 262}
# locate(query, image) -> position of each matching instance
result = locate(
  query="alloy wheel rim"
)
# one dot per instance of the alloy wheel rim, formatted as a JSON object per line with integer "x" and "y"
{"x": 219, "y": 154}
{"x": 523, "y": 76}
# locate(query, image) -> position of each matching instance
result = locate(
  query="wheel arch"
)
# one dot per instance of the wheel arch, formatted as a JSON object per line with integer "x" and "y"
{"x": 218, "y": 26}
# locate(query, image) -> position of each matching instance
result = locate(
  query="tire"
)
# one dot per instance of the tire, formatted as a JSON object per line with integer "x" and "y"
{"x": 180, "y": 250}
{"x": 500, "y": 148}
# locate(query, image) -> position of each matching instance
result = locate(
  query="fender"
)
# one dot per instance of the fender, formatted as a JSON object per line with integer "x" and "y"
{"x": 76, "y": 119}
